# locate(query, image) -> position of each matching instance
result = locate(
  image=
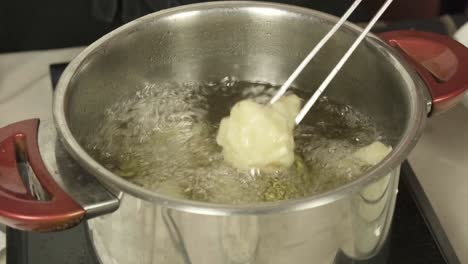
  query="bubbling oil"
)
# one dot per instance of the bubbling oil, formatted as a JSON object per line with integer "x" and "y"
{"x": 164, "y": 139}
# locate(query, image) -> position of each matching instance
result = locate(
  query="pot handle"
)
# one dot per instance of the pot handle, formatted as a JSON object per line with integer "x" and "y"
{"x": 29, "y": 197}
{"x": 441, "y": 61}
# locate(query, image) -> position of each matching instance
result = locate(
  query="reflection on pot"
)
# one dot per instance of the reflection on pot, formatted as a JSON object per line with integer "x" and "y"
{"x": 239, "y": 239}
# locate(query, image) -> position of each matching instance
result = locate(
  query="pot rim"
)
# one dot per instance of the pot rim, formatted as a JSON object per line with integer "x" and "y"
{"x": 418, "y": 112}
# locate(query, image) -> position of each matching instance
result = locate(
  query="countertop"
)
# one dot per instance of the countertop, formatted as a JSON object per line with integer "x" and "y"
{"x": 440, "y": 160}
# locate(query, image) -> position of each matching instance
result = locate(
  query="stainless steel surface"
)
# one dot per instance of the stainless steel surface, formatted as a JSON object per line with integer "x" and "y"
{"x": 79, "y": 184}
{"x": 256, "y": 42}
{"x": 314, "y": 52}
{"x": 2, "y": 245}
{"x": 250, "y": 41}
{"x": 146, "y": 232}
{"x": 340, "y": 64}
{"x": 29, "y": 178}
{"x": 3, "y": 256}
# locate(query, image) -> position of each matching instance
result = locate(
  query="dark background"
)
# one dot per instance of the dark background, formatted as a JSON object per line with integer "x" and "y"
{"x": 46, "y": 24}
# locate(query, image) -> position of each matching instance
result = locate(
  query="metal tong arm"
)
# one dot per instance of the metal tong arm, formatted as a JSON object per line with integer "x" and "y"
{"x": 314, "y": 52}
{"x": 340, "y": 64}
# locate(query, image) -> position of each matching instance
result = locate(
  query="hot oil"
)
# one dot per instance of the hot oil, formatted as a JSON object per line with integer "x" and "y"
{"x": 164, "y": 140}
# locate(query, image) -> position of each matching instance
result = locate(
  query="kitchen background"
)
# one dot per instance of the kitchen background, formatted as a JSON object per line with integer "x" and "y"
{"x": 47, "y": 24}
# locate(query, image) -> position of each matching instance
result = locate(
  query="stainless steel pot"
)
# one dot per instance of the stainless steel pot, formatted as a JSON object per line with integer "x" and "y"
{"x": 398, "y": 86}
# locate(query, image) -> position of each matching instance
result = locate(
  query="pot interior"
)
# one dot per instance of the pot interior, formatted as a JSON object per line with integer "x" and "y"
{"x": 250, "y": 42}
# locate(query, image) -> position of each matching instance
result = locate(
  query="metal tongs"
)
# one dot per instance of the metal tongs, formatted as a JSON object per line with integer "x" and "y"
{"x": 338, "y": 66}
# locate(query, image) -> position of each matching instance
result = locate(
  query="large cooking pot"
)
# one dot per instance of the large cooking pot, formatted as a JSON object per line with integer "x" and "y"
{"x": 398, "y": 79}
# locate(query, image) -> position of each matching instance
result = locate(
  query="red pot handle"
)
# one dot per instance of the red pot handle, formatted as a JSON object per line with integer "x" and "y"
{"x": 18, "y": 208}
{"x": 441, "y": 62}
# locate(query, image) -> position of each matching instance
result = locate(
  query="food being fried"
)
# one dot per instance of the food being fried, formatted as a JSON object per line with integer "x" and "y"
{"x": 260, "y": 136}
{"x": 373, "y": 153}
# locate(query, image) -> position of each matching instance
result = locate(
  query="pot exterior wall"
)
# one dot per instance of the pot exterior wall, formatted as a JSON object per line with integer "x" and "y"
{"x": 142, "y": 232}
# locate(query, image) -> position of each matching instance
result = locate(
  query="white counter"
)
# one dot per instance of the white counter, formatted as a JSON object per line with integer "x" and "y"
{"x": 440, "y": 159}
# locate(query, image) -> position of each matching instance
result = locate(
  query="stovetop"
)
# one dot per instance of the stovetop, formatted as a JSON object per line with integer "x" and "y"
{"x": 416, "y": 235}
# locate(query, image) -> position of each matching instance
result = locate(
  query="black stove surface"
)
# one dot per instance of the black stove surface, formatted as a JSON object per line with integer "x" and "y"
{"x": 416, "y": 237}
